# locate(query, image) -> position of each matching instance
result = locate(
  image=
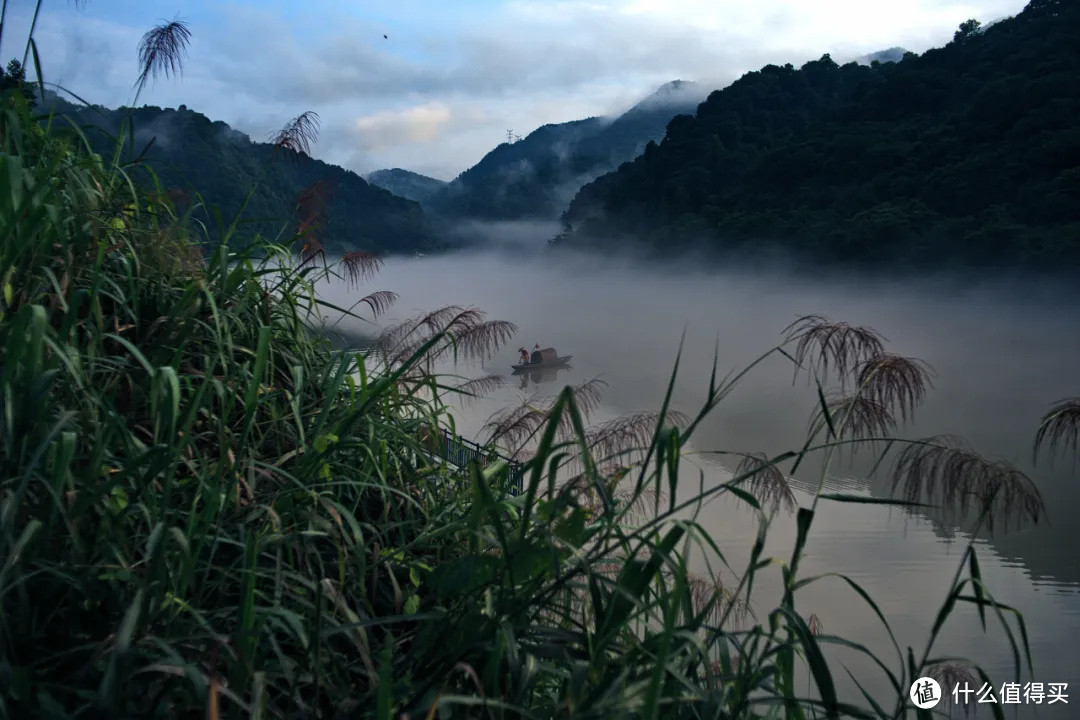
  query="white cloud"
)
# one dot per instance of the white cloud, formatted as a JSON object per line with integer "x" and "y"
{"x": 419, "y": 124}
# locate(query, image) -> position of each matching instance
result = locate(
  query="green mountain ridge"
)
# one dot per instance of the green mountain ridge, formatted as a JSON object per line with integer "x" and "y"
{"x": 535, "y": 177}
{"x": 969, "y": 154}
{"x": 406, "y": 183}
{"x": 192, "y": 155}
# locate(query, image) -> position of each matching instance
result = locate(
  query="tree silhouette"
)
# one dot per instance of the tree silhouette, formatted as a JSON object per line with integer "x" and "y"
{"x": 966, "y": 30}
{"x": 14, "y": 78}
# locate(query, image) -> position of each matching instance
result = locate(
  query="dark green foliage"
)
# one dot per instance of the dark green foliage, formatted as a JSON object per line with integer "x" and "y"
{"x": 967, "y": 154}
{"x": 192, "y": 156}
{"x": 14, "y": 78}
{"x": 537, "y": 176}
{"x": 967, "y": 29}
{"x": 206, "y": 511}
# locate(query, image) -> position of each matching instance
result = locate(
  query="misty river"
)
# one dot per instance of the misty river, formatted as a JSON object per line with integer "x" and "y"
{"x": 1001, "y": 350}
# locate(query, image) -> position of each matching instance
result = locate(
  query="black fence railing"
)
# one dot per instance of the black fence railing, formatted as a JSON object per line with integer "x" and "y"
{"x": 460, "y": 452}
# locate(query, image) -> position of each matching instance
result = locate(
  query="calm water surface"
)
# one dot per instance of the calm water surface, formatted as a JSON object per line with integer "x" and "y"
{"x": 1002, "y": 351}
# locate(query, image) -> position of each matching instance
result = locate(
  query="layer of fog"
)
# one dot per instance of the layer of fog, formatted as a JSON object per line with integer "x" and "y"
{"x": 1002, "y": 350}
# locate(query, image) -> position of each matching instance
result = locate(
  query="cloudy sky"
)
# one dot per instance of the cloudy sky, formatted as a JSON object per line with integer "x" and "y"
{"x": 453, "y": 75}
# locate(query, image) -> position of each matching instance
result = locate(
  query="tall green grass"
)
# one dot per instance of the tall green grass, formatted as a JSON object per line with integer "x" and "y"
{"x": 207, "y": 511}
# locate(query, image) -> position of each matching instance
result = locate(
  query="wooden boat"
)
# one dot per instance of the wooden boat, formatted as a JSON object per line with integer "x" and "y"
{"x": 540, "y": 359}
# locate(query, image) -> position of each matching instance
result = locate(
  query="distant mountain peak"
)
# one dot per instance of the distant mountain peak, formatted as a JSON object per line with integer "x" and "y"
{"x": 406, "y": 183}
{"x": 674, "y": 93}
{"x": 674, "y": 86}
{"x": 536, "y": 176}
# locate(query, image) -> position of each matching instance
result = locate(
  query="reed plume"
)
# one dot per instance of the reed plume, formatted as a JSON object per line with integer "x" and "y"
{"x": 713, "y": 599}
{"x": 629, "y": 433}
{"x": 639, "y": 503}
{"x": 942, "y": 471}
{"x": 477, "y": 387}
{"x": 480, "y": 340}
{"x": 1060, "y": 428}
{"x": 821, "y": 343}
{"x": 634, "y": 503}
{"x": 766, "y": 482}
{"x": 311, "y": 207}
{"x": 587, "y": 395}
{"x": 465, "y": 333}
{"x": 311, "y": 249}
{"x": 299, "y": 134}
{"x": 161, "y": 51}
{"x": 379, "y": 301}
{"x": 894, "y": 382}
{"x": 854, "y": 416}
{"x": 312, "y": 202}
{"x": 399, "y": 341}
{"x": 516, "y": 425}
{"x": 950, "y": 675}
{"x": 360, "y": 265}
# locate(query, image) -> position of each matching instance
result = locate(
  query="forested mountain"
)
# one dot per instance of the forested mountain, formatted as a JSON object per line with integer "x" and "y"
{"x": 967, "y": 154}
{"x": 536, "y": 177}
{"x": 406, "y": 184}
{"x": 192, "y": 156}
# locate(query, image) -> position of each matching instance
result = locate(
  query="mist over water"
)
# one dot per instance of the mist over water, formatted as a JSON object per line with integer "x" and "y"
{"x": 1002, "y": 350}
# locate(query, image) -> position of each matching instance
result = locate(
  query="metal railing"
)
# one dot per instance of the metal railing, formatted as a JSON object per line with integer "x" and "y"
{"x": 460, "y": 452}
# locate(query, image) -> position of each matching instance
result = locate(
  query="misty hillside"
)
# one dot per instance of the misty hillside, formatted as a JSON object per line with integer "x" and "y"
{"x": 192, "y": 155}
{"x": 626, "y": 136}
{"x": 536, "y": 177}
{"x": 967, "y": 154}
{"x": 893, "y": 54}
{"x": 406, "y": 183}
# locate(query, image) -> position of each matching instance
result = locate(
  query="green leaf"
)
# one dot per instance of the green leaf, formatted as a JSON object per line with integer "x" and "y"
{"x": 819, "y": 668}
{"x": 864, "y": 500}
{"x": 118, "y": 500}
{"x": 977, "y": 586}
{"x": 825, "y": 409}
{"x": 322, "y": 442}
{"x": 9, "y": 291}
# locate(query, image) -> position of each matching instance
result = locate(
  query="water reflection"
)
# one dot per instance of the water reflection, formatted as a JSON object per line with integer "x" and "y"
{"x": 535, "y": 378}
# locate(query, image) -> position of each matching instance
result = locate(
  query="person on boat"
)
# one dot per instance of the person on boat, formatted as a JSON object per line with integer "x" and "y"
{"x": 524, "y": 355}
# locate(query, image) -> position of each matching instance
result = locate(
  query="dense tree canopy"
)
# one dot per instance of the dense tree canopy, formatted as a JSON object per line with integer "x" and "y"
{"x": 967, "y": 154}
{"x": 192, "y": 156}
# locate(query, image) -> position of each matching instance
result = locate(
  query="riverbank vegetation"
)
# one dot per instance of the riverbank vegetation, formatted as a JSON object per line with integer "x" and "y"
{"x": 207, "y": 511}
